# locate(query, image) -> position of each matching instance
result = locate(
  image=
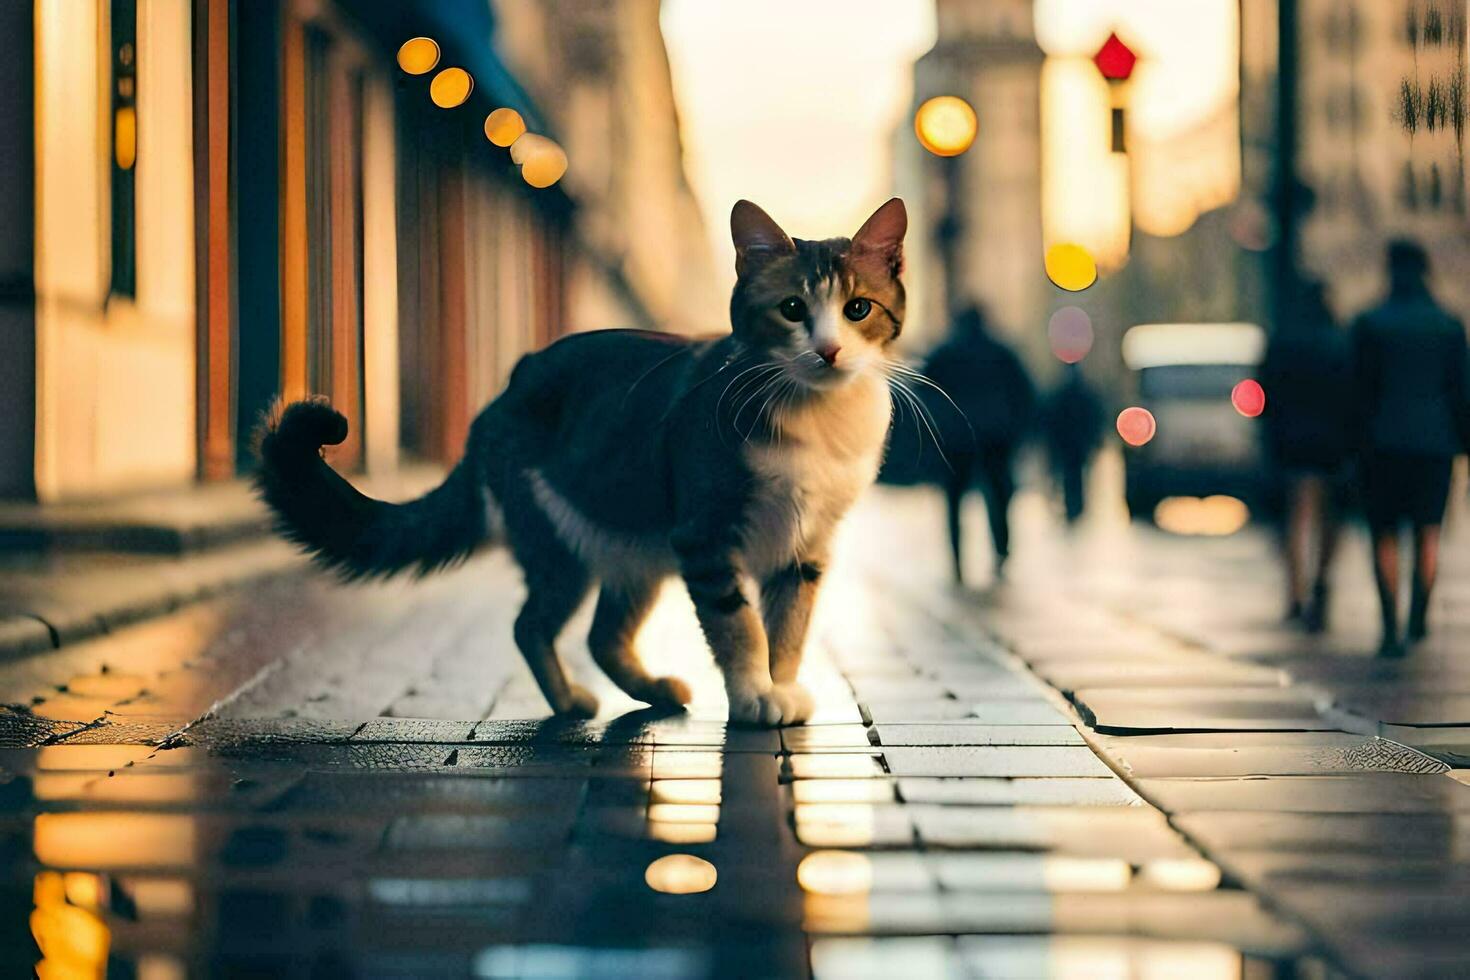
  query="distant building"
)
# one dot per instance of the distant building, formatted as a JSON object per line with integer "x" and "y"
{"x": 231, "y": 201}
{"x": 1381, "y": 116}
{"x": 986, "y": 53}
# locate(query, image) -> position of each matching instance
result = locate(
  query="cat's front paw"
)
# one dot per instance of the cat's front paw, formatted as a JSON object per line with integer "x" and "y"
{"x": 581, "y": 703}
{"x": 771, "y": 707}
{"x": 669, "y": 692}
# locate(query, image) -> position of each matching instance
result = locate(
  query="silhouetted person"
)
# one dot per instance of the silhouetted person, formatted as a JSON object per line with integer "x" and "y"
{"x": 1307, "y": 376}
{"x": 1073, "y": 418}
{"x": 990, "y": 387}
{"x": 1409, "y": 364}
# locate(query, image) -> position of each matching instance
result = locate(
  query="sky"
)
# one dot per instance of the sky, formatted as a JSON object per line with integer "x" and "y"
{"x": 792, "y": 104}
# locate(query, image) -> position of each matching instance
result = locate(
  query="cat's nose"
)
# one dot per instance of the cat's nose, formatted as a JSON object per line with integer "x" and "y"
{"x": 828, "y": 352}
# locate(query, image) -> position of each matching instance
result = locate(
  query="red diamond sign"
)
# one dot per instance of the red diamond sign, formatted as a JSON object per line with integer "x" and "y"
{"x": 1115, "y": 59}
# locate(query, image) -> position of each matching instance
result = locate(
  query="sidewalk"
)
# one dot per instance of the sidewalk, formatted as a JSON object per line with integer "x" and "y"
{"x": 74, "y": 570}
{"x": 300, "y": 777}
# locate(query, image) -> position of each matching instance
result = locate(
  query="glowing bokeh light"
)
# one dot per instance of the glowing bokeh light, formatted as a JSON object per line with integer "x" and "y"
{"x": 541, "y": 160}
{"x": 1211, "y": 517}
{"x": 1136, "y": 425}
{"x": 946, "y": 125}
{"x": 1070, "y": 334}
{"x": 418, "y": 55}
{"x": 1249, "y": 398}
{"x": 504, "y": 126}
{"x": 835, "y": 873}
{"x": 451, "y": 87}
{"x": 125, "y": 137}
{"x": 1070, "y": 267}
{"x": 680, "y": 874}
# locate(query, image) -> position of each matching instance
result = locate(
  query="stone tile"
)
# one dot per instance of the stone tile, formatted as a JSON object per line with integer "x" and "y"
{"x": 976, "y": 733}
{"x": 1050, "y": 791}
{"x": 1192, "y": 673}
{"x": 867, "y": 790}
{"x": 1255, "y": 753}
{"x": 1416, "y": 710}
{"x": 853, "y": 825}
{"x": 1430, "y": 835}
{"x": 811, "y": 738}
{"x": 864, "y": 958}
{"x": 414, "y": 730}
{"x": 1132, "y": 834}
{"x": 846, "y": 765}
{"x": 1003, "y": 761}
{"x": 1130, "y": 710}
{"x": 1121, "y": 956}
{"x": 1366, "y": 793}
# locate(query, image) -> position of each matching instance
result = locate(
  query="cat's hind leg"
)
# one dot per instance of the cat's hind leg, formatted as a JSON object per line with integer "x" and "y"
{"x": 621, "y": 609}
{"x": 554, "y": 591}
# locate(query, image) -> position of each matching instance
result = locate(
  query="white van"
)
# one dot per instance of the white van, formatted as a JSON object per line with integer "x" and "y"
{"x": 1184, "y": 374}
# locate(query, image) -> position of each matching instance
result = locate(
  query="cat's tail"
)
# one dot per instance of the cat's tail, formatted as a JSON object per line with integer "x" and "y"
{"x": 351, "y": 533}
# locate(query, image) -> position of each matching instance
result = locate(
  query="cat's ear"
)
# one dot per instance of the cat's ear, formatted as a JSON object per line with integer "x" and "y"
{"x": 756, "y": 235}
{"x": 882, "y": 234}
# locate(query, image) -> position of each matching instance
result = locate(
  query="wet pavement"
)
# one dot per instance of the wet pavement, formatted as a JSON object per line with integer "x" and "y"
{"x": 1117, "y": 763}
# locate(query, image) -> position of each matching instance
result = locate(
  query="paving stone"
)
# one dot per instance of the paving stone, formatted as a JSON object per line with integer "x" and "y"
{"x": 1004, "y": 761}
{"x": 1122, "y": 956}
{"x": 1132, "y": 834}
{"x": 1366, "y": 793}
{"x": 847, "y": 765}
{"x": 1129, "y": 710}
{"x": 1254, "y": 753}
{"x": 976, "y": 733}
{"x": 1422, "y": 710}
{"x": 1050, "y": 791}
{"x": 1426, "y": 834}
{"x": 1192, "y": 673}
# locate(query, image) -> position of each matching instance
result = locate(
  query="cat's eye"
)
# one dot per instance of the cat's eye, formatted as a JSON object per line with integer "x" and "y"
{"x": 793, "y": 308}
{"x": 857, "y": 309}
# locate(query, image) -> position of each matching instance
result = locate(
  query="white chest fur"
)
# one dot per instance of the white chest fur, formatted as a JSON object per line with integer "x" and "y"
{"x": 828, "y": 452}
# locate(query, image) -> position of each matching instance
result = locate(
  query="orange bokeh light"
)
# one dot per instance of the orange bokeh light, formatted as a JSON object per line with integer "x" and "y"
{"x": 1136, "y": 425}
{"x": 1249, "y": 398}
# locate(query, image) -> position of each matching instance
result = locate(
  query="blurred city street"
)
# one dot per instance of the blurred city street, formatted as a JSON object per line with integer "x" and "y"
{"x": 1099, "y": 369}
{"x": 1128, "y": 769}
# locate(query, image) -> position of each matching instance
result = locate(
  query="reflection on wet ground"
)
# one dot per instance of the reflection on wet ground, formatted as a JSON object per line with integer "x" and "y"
{"x": 312, "y": 781}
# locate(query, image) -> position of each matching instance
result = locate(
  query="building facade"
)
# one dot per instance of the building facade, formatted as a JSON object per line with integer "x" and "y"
{"x": 235, "y": 200}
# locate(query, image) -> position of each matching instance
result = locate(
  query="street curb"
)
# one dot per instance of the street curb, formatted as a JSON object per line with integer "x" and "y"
{"x": 29, "y": 631}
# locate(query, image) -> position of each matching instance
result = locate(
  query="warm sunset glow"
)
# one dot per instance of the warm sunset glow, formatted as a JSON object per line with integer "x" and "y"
{"x": 1249, "y": 398}
{"x": 680, "y": 874}
{"x": 1070, "y": 267}
{"x": 504, "y": 126}
{"x": 946, "y": 125}
{"x": 1136, "y": 425}
{"x": 418, "y": 55}
{"x": 451, "y": 87}
{"x": 1183, "y": 120}
{"x": 816, "y": 162}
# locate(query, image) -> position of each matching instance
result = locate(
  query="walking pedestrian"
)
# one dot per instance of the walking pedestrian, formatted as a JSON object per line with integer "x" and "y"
{"x": 1073, "y": 422}
{"x": 1409, "y": 364}
{"x": 993, "y": 392}
{"x": 1307, "y": 376}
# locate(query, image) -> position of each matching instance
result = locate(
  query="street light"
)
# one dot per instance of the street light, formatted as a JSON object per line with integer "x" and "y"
{"x": 451, "y": 87}
{"x": 946, "y": 125}
{"x": 418, "y": 55}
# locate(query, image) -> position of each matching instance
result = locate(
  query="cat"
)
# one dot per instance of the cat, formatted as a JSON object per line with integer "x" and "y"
{"x": 624, "y": 457}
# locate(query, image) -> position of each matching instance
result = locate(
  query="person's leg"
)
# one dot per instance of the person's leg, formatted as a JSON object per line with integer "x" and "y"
{"x": 1386, "y": 573}
{"x": 1426, "y": 566}
{"x": 957, "y": 481}
{"x": 995, "y": 463}
{"x": 1331, "y": 534}
{"x": 1072, "y": 487}
{"x": 1300, "y": 516}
